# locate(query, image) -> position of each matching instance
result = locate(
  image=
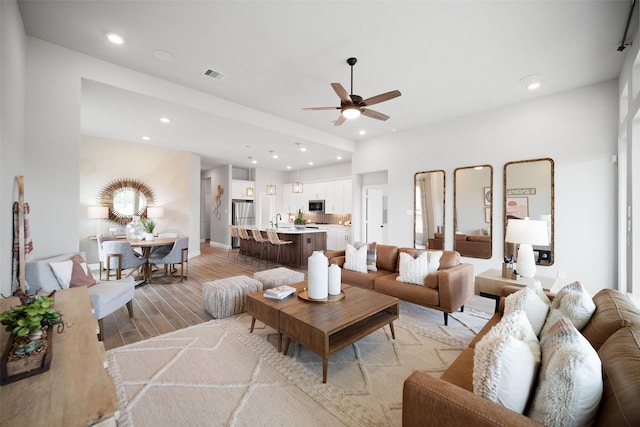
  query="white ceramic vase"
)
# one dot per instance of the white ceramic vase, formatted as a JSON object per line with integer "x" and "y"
{"x": 318, "y": 276}
{"x": 334, "y": 279}
{"x": 148, "y": 236}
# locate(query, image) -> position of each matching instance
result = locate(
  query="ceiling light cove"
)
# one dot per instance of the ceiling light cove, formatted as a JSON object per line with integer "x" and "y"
{"x": 115, "y": 38}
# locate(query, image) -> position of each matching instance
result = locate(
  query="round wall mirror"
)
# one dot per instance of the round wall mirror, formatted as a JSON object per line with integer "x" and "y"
{"x": 125, "y": 198}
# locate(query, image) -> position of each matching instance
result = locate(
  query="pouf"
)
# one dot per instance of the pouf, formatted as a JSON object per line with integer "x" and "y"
{"x": 277, "y": 277}
{"x": 228, "y": 296}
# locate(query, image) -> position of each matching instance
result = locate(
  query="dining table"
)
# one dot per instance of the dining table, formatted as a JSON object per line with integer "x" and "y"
{"x": 147, "y": 247}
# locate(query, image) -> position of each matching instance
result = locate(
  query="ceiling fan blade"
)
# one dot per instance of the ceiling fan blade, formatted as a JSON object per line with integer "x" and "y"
{"x": 373, "y": 114}
{"x": 320, "y": 108}
{"x": 340, "y": 120}
{"x": 342, "y": 93}
{"x": 381, "y": 98}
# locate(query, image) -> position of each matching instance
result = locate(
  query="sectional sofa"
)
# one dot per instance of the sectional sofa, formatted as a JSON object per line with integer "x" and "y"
{"x": 447, "y": 290}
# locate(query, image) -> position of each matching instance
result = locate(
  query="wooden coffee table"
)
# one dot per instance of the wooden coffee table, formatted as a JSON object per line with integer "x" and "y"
{"x": 328, "y": 328}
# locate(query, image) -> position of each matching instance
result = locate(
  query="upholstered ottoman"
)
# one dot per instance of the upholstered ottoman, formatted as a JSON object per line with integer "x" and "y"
{"x": 277, "y": 277}
{"x": 226, "y": 297}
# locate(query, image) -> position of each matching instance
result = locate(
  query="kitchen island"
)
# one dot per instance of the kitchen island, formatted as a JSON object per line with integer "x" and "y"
{"x": 296, "y": 254}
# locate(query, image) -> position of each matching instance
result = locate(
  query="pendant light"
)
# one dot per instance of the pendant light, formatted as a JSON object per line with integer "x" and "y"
{"x": 271, "y": 188}
{"x": 249, "y": 190}
{"x": 296, "y": 186}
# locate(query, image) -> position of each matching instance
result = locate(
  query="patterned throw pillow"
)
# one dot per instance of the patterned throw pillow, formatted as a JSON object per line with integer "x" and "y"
{"x": 414, "y": 270}
{"x": 505, "y": 362}
{"x": 570, "y": 380}
{"x": 73, "y": 272}
{"x": 371, "y": 254}
{"x": 573, "y": 302}
{"x": 355, "y": 259}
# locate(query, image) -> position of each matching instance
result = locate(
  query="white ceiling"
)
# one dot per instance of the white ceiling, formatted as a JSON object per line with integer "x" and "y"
{"x": 448, "y": 58}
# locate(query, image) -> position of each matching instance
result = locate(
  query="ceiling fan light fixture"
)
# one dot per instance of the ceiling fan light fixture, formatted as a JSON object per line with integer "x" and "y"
{"x": 351, "y": 113}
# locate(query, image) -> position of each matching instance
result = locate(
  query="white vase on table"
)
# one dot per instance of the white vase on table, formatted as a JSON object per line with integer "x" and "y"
{"x": 318, "y": 276}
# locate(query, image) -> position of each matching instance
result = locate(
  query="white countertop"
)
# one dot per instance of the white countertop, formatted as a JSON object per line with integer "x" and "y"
{"x": 291, "y": 230}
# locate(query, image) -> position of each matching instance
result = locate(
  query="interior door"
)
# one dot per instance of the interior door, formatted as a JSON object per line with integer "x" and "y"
{"x": 374, "y": 224}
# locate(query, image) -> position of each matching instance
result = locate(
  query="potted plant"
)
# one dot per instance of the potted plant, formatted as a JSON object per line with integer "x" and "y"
{"x": 31, "y": 339}
{"x": 149, "y": 225}
{"x": 299, "y": 222}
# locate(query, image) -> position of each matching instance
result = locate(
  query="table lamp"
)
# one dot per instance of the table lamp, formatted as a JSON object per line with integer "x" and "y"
{"x": 155, "y": 212}
{"x": 98, "y": 213}
{"x": 526, "y": 233}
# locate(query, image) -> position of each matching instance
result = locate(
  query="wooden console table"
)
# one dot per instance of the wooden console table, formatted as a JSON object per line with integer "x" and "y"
{"x": 76, "y": 390}
{"x": 490, "y": 283}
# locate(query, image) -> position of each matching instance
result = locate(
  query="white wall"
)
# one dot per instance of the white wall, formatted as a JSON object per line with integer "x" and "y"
{"x": 577, "y": 129}
{"x": 12, "y": 119}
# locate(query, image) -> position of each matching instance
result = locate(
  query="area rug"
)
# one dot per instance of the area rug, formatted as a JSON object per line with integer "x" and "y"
{"x": 218, "y": 374}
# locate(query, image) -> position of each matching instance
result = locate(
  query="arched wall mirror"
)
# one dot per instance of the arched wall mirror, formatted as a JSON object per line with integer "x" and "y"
{"x": 473, "y": 210}
{"x": 428, "y": 222}
{"x": 125, "y": 199}
{"x": 528, "y": 192}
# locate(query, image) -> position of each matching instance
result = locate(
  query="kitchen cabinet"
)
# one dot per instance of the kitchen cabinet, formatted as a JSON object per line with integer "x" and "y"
{"x": 338, "y": 197}
{"x": 337, "y": 237}
{"x": 314, "y": 191}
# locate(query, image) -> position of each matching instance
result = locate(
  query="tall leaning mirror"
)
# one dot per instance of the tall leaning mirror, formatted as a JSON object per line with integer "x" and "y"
{"x": 428, "y": 222}
{"x": 473, "y": 210}
{"x": 528, "y": 192}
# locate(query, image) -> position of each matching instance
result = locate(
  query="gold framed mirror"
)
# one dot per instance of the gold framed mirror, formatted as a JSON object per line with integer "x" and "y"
{"x": 473, "y": 211}
{"x": 529, "y": 192}
{"x": 125, "y": 198}
{"x": 428, "y": 208}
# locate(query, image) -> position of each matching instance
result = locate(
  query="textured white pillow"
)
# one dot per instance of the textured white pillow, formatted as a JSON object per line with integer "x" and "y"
{"x": 570, "y": 381}
{"x": 414, "y": 270}
{"x": 528, "y": 300}
{"x": 572, "y": 302}
{"x": 505, "y": 362}
{"x": 355, "y": 259}
{"x": 62, "y": 270}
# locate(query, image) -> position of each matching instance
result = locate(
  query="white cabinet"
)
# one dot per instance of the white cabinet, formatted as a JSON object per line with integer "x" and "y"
{"x": 239, "y": 189}
{"x": 338, "y": 237}
{"x": 338, "y": 197}
{"x": 314, "y": 191}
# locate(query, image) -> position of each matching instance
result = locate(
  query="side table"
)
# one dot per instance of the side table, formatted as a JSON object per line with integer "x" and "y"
{"x": 490, "y": 283}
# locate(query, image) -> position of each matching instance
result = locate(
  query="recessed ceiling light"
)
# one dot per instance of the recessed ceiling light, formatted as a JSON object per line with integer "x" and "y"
{"x": 274, "y": 156}
{"x": 165, "y": 119}
{"x": 339, "y": 158}
{"x": 362, "y": 132}
{"x": 254, "y": 161}
{"x": 146, "y": 138}
{"x": 531, "y": 82}
{"x": 310, "y": 163}
{"x": 303, "y": 148}
{"x": 115, "y": 38}
{"x": 288, "y": 167}
{"x": 163, "y": 55}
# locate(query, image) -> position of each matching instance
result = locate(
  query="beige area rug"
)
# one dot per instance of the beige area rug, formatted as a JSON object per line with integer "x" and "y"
{"x": 218, "y": 374}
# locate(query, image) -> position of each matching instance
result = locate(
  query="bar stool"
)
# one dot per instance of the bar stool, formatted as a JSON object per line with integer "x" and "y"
{"x": 242, "y": 233}
{"x": 257, "y": 237}
{"x": 234, "y": 235}
{"x": 276, "y": 242}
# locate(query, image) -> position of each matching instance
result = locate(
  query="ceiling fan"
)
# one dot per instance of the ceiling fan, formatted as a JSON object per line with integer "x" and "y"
{"x": 351, "y": 106}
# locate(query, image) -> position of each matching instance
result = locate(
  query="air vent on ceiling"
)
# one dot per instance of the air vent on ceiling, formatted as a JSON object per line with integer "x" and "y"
{"x": 214, "y": 74}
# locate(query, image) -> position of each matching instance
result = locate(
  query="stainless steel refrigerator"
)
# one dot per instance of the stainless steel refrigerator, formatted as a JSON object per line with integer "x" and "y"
{"x": 242, "y": 214}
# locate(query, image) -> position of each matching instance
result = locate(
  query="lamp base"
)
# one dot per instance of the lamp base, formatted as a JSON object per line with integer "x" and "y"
{"x": 526, "y": 263}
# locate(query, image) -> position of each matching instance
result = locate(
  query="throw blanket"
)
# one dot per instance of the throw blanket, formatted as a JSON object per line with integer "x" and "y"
{"x": 28, "y": 244}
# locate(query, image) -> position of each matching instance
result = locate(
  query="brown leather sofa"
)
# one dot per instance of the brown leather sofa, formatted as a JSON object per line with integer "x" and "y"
{"x": 473, "y": 246}
{"x": 613, "y": 331}
{"x": 446, "y": 290}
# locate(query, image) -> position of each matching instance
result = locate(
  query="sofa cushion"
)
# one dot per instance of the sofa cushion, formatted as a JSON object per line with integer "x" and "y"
{"x": 449, "y": 259}
{"x": 614, "y": 310}
{"x": 363, "y": 280}
{"x": 572, "y": 302}
{"x": 620, "y": 356}
{"x": 414, "y": 270}
{"x": 387, "y": 258}
{"x": 39, "y": 275}
{"x": 73, "y": 272}
{"x": 528, "y": 300}
{"x": 356, "y": 259}
{"x": 422, "y": 295}
{"x": 506, "y": 362}
{"x": 570, "y": 381}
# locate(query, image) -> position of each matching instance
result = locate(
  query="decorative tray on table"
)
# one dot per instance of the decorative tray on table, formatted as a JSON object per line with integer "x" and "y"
{"x": 304, "y": 295}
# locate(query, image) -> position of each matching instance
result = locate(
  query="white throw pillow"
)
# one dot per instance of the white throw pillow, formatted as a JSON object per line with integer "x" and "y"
{"x": 414, "y": 270}
{"x": 528, "y": 299}
{"x": 570, "y": 381}
{"x": 355, "y": 259}
{"x": 371, "y": 254}
{"x": 505, "y": 362}
{"x": 62, "y": 270}
{"x": 572, "y": 302}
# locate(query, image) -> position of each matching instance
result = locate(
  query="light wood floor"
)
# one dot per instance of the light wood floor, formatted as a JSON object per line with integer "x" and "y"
{"x": 162, "y": 308}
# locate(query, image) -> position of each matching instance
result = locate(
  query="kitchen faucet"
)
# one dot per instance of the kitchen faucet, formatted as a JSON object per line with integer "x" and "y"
{"x": 278, "y": 215}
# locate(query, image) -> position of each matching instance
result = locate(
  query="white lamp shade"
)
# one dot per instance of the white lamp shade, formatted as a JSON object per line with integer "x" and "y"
{"x": 98, "y": 212}
{"x": 527, "y": 231}
{"x": 155, "y": 212}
